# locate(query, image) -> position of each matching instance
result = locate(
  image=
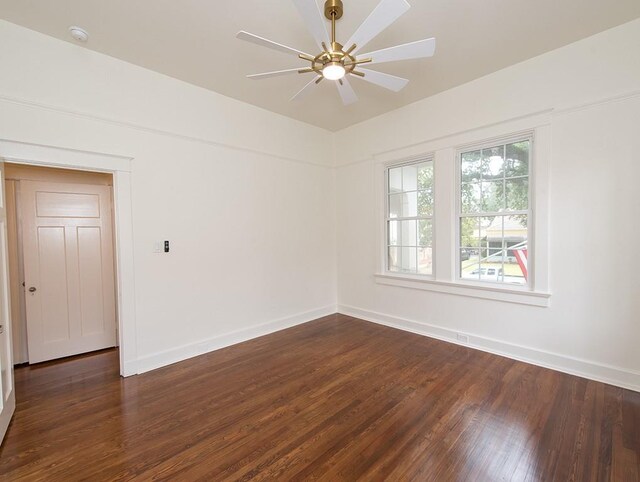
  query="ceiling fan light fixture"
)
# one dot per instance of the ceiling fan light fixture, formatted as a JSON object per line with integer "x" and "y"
{"x": 337, "y": 61}
{"x": 333, "y": 71}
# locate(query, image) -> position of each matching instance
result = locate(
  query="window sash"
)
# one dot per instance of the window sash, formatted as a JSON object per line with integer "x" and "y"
{"x": 460, "y": 215}
{"x": 388, "y": 219}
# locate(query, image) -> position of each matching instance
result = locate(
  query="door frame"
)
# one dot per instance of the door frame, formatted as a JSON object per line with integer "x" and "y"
{"x": 120, "y": 167}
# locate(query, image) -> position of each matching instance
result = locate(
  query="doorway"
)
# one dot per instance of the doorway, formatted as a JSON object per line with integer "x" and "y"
{"x": 61, "y": 261}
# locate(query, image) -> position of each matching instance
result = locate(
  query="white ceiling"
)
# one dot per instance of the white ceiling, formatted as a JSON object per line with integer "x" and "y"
{"x": 194, "y": 40}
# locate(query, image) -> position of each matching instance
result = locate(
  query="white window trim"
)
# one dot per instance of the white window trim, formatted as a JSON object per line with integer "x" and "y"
{"x": 407, "y": 162}
{"x": 445, "y": 156}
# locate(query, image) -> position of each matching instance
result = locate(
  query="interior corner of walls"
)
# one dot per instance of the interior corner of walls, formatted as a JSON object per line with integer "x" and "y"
{"x": 334, "y": 149}
{"x": 174, "y": 355}
{"x": 600, "y": 372}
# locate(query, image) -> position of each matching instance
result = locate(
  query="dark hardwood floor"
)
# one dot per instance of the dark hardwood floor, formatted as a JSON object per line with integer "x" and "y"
{"x": 334, "y": 399}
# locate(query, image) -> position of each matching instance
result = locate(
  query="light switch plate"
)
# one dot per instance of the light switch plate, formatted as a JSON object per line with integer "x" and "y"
{"x": 157, "y": 247}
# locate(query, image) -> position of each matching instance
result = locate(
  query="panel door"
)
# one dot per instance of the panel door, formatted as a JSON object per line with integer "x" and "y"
{"x": 68, "y": 267}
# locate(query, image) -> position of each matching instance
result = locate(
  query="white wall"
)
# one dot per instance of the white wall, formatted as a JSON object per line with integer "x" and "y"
{"x": 592, "y": 326}
{"x": 244, "y": 195}
{"x": 248, "y": 200}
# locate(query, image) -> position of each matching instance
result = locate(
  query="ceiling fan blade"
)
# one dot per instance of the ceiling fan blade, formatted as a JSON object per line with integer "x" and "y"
{"x": 275, "y": 73}
{"x": 387, "y": 81}
{"x": 413, "y": 50}
{"x": 387, "y": 12}
{"x": 347, "y": 93}
{"x": 306, "y": 90}
{"x": 249, "y": 37}
{"x": 314, "y": 20}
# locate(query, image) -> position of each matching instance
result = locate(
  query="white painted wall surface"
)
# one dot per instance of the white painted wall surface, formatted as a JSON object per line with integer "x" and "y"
{"x": 593, "y": 324}
{"x": 259, "y": 219}
{"x": 244, "y": 195}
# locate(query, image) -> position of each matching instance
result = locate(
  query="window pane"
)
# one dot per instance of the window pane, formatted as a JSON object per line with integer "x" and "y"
{"x": 470, "y": 197}
{"x": 470, "y": 232}
{"x": 425, "y": 175}
{"x": 410, "y": 178}
{"x": 517, "y": 162}
{"x": 469, "y": 270}
{"x": 395, "y": 180}
{"x": 517, "y": 194}
{"x": 492, "y": 196}
{"x": 394, "y": 233}
{"x": 513, "y": 274}
{"x": 425, "y": 261}
{"x": 394, "y": 259}
{"x": 471, "y": 166}
{"x": 404, "y": 205}
{"x": 515, "y": 240}
{"x": 493, "y": 163}
{"x": 409, "y": 233}
{"x": 490, "y": 233}
{"x": 491, "y": 272}
{"x": 502, "y": 256}
{"x": 425, "y": 232}
{"x": 515, "y": 230}
{"x": 516, "y": 256}
{"x": 470, "y": 255}
{"x": 425, "y": 203}
{"x": 409, "y": 259}
{"x": 410, "y": 204}
{"x": 395, "y": 205}
{"x": 495, "y": 255}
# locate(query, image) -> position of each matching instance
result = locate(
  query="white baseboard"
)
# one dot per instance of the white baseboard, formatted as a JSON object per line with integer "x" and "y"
{"x": 612, "y": 375}
{"x": 157, "y": 360}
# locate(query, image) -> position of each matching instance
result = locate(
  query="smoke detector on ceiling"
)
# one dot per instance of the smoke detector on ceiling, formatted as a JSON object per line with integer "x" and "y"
{"x": 79, "y": 34}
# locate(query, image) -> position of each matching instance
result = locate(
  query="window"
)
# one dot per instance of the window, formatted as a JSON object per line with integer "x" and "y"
{"x": 494, "y": 213}
{"x": 409, "y": 214}
{"x": 489, "y": 227}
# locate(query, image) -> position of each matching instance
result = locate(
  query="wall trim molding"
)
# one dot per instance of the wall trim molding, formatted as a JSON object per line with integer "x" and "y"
{"x": 153, "y": 130}
{"x": 533, "y": 119}
{"x": 552, "y": 112}
{"x": 334, "y": 164}
{"x": 48, "y": 156}
{"x": 596, "y": 103}
{"x": 537, "y": 118}
{"x": 184, "y": 352}
{"x": 599, "y": 372}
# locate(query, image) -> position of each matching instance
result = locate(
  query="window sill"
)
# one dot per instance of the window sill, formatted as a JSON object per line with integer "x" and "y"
{"x": 488, "y": 292}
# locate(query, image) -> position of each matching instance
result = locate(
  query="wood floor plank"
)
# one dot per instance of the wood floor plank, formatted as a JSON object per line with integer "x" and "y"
{"x": 334, "y": 399}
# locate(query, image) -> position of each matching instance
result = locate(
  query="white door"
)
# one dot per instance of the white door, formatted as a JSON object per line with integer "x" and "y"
{"x": 68, "y": 268}
{"x": 7, "y": 394}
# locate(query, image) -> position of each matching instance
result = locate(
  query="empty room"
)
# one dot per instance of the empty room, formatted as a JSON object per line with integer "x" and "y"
{"x": 340, "y": 240}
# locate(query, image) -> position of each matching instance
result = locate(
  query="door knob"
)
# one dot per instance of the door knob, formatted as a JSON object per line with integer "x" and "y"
{"x": 32, "y": 289}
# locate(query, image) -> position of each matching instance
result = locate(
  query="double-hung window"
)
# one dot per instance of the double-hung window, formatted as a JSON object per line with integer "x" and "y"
{"x": 409, "y": 213}
{"x": 485, "y": 233}
{"x": 494, "y": 213}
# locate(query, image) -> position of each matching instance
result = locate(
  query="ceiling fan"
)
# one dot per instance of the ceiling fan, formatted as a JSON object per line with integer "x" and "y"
{"x": 334, "y": 62}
